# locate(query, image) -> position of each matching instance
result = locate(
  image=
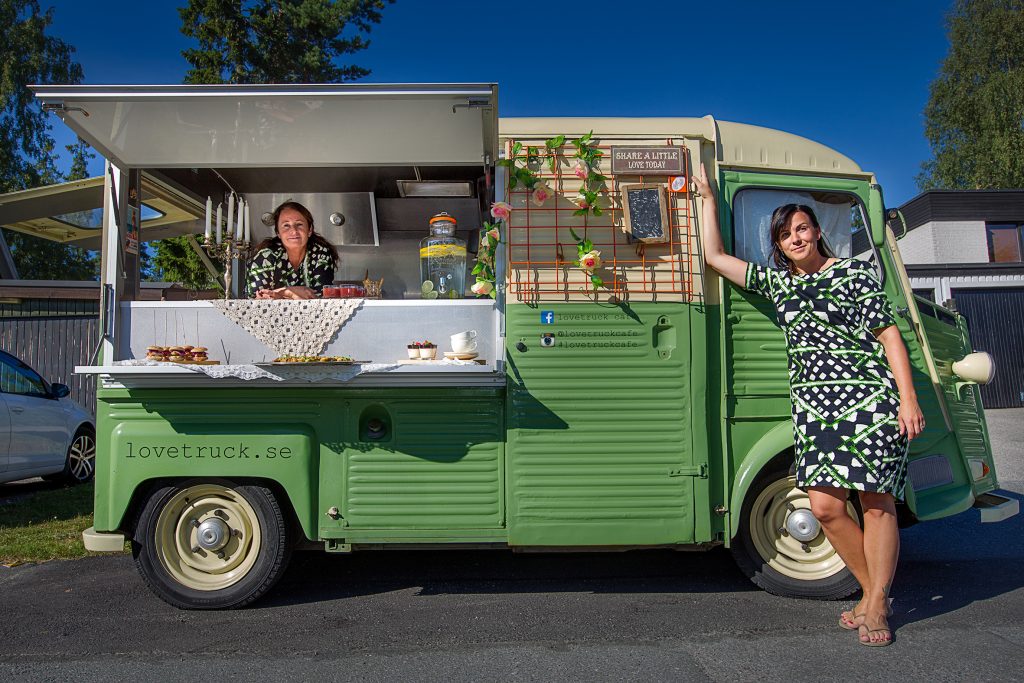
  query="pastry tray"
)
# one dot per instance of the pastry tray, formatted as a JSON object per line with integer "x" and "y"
{"x": 307, "y": 363}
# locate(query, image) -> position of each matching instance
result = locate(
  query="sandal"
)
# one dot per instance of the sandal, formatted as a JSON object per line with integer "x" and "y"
{"x": 849, "y": 622}
{"x": 881, "y": 629}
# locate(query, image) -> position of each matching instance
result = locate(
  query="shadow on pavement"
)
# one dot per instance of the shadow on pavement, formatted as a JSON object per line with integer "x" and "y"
{"x": 314, "y": 576}
{"x": 949, "y": 564}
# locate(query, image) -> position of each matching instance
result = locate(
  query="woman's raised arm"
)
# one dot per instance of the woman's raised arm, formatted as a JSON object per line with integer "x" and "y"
{"x": 728, "y": 266}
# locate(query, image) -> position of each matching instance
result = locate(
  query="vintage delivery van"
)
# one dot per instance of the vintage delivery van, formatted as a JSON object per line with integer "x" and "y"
{"x": 633, "y": 401}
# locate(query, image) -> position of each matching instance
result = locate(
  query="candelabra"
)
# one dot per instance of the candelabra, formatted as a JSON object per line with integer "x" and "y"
{"x": 228, "y": 252}
{"x": 232, "y": 242}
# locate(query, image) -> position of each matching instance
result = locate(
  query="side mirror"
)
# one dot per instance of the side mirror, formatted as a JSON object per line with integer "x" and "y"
{"x": 897, "y": 223}
{"x": 60, "y": 390}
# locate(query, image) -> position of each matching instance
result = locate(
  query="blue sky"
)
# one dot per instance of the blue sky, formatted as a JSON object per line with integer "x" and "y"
{"x": 853, "y": 76}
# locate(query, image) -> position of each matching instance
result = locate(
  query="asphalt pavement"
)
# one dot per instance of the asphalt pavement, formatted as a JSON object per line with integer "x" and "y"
{"x": 499, "y": 616}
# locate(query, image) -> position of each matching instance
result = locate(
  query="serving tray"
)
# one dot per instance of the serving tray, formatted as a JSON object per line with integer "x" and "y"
{"x": 306, "y": 363}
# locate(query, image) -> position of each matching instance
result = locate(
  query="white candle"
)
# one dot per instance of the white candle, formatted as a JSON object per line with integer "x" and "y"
{"x": 220, "y": 208}
{"x": 209, "y": 220}
{"x": 231, "y": 215}
{"x": 248, "y": 230}
{"x": 241, "y": 214}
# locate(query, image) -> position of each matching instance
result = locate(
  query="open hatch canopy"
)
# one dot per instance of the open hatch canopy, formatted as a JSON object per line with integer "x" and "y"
{"x": 223, "y": 126}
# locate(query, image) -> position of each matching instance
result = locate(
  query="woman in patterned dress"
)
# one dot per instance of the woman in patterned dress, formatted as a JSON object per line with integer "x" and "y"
{"x": 854, "y": 404}
{"x": 296, "y": 262}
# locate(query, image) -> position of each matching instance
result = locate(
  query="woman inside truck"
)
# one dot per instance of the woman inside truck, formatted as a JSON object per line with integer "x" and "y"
{"x": 854, "y": 404}
{"x": 296, "y": 262}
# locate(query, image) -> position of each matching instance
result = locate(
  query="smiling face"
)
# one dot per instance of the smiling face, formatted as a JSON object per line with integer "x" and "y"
{"x": 798, "y": 239}
{"x": 294, "y": 230}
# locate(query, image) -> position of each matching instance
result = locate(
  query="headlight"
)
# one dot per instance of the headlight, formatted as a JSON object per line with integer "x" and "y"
{"x": 975, "y": 367}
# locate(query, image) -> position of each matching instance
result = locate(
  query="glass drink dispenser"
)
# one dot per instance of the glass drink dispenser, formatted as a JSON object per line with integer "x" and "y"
{"x": 442, "y": 260}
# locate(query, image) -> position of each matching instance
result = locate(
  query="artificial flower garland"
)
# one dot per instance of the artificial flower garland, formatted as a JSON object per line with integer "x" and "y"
{"x": 587, "y": 156}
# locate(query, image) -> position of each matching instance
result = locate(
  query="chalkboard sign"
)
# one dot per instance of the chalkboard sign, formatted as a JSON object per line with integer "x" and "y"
{"x": 645, "y": 214}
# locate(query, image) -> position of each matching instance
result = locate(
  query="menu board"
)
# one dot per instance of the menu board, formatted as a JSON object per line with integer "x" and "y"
{"x": 645, "y": 214}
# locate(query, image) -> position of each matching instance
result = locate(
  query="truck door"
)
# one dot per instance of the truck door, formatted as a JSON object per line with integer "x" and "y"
{"x": 951, "y": 462}
{"x": 607, "y": 421}
{"x": 756, "y": 374}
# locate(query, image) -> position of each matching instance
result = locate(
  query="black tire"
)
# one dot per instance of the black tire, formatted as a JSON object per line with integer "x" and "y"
{"x": 180, "y": 572}
{"x": 775, "y": 560}
{"x": 80, "y": 460}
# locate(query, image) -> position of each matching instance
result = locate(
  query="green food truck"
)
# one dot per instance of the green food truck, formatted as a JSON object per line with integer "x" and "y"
{"x": 604, "y": 391}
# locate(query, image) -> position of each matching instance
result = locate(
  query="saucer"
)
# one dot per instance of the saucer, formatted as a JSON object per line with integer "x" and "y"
{"x": 461, "y": 356}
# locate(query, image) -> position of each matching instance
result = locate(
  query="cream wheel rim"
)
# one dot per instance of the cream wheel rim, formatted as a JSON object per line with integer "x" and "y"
{"x": 806, "y": 561}
{"x": 192, "y": 561}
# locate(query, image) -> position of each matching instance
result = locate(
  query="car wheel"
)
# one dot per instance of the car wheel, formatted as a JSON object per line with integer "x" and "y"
{"x": 80, "y": 461}
{"x": 210, "y": 544}
{"x": 781, "y": 546}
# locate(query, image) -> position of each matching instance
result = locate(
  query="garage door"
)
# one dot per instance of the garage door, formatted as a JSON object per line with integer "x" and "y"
{"x": 995, "y": 319}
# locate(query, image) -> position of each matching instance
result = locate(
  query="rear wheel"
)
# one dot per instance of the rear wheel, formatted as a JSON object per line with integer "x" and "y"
{"x": 781, "y": 546}
{"x": 211, "y": 544}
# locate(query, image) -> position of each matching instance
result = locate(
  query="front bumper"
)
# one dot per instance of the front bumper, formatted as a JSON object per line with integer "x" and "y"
{"x": 105, "y": 542}
{"x": 996, "y": 508}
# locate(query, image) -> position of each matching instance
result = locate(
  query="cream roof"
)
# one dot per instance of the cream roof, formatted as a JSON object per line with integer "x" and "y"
{"x": 738, "y": 144}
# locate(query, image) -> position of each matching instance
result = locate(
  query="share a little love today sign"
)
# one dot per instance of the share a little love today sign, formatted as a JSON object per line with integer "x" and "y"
{"x": 648, "y": 160}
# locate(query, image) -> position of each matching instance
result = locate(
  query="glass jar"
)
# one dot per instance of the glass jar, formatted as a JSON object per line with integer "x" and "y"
{"x": 442, "y": 260}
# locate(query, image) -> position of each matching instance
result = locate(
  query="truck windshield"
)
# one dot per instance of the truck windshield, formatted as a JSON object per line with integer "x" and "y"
{"x": 838, "y": 213}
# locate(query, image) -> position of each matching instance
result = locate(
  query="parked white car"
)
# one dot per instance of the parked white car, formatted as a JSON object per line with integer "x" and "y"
{"x": 43, "y": 433}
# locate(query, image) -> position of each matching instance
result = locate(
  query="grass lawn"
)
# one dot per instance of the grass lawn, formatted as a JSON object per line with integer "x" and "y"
{"x": 45, "y": 524}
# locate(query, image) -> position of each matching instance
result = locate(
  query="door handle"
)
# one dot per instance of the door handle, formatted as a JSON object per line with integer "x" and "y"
{"x": 664, "y": 334}
{"x": 17, "y": 409}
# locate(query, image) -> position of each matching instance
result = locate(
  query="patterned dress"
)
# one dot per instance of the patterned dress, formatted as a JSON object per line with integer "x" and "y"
{"x": 270, "y": 269}
{"x": 844, "y": 396}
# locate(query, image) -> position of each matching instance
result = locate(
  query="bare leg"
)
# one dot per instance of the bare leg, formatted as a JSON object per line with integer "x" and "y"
{"x": 881, "y": 551}
{"x": 829, "y": 507}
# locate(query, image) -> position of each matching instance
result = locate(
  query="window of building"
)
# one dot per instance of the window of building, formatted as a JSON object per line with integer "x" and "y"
{"x": 1004, "y": 242}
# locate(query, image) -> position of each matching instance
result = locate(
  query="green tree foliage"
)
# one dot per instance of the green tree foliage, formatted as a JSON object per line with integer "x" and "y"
{"x": 176, "y": 261}
{"x": 277, "y": 41}
{"x": 975, "y": 115}
{"x": 27, "y": 159}
{"x": 265, "y": 41}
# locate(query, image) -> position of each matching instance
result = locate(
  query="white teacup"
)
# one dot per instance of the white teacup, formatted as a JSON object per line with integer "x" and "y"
{"x": 464, "y": 342}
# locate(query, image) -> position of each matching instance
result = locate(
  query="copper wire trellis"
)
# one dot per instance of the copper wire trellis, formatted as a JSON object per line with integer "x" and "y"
{"x": 542, "y": 269}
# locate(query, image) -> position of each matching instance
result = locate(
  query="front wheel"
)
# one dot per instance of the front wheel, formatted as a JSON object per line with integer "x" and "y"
{"x": 781, "y": 546}
{"x": 210, "y": 544}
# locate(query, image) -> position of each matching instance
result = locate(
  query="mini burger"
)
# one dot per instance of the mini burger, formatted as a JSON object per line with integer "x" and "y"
{"x": 199, "y": 353}
{"x": 154, "y": 353}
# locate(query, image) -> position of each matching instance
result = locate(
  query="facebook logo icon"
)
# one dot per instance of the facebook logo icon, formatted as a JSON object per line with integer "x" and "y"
{"x": 547, "y": 317}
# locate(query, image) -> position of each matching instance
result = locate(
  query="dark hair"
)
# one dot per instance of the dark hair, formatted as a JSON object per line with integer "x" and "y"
{"x": 274, "y": 242}
{"x": 780, "y": 219}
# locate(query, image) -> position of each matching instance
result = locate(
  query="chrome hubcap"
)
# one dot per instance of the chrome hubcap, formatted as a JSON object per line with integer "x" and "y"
{"x": 213, "y": 534}
{"x": 802, "y": 525}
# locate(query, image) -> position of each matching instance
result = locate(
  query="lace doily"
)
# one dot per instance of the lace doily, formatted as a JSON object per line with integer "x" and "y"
{"x": 290, "y": 328}
{"x": 278, "y": 373}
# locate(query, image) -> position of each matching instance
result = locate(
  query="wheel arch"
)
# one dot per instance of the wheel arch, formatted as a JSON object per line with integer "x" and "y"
{"x": 775, "y": 443}
{"x": 145, "y": 488}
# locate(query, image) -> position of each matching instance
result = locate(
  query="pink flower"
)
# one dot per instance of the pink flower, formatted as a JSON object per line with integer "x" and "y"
{"x": 591, "y": 260}
{"x": 541, "y": 193}
{"x": 501, "y": 211}
{"x": 581, "y": 170}
{"x": 581, "y": 201}
{"x": 493, "y": 232}
{"x": 482, "y": 287}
